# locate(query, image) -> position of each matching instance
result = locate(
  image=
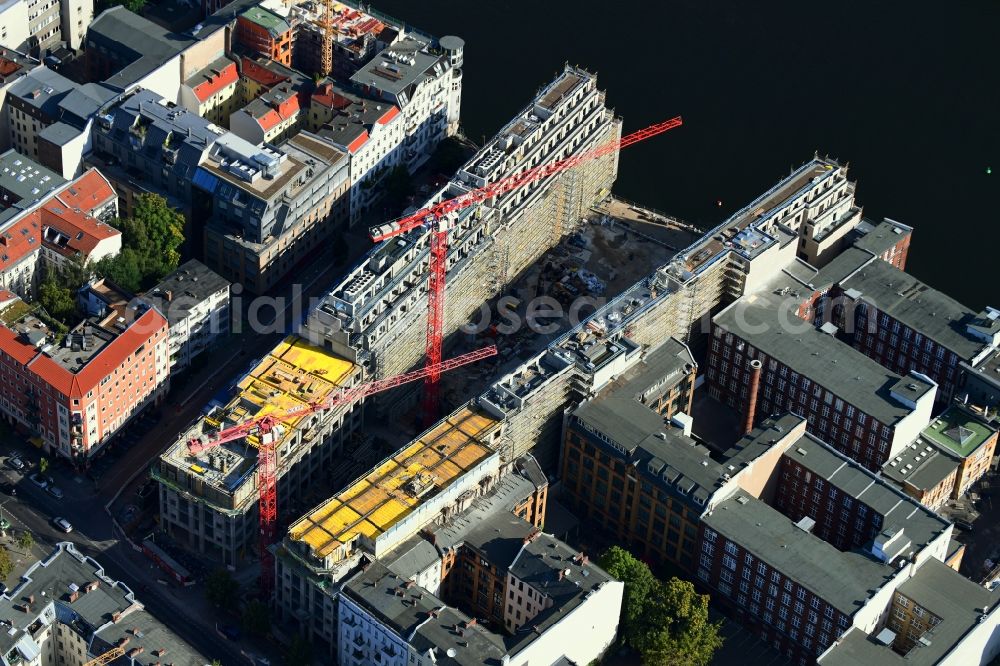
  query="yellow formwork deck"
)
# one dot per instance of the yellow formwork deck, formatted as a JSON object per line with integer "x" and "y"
{"x": 386, "y": 494}
{"x": 294, "y": 374}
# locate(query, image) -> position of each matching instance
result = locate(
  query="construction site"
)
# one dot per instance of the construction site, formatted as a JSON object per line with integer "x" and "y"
{"x": 377, "y": 315}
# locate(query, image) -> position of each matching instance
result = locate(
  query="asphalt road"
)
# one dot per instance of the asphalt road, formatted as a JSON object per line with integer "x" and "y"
{"x": 32, "y": 508}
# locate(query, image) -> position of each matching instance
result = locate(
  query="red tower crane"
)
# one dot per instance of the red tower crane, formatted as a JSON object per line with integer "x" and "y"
{"x": 264, "y": 426}
{"x": 434, "y": 218}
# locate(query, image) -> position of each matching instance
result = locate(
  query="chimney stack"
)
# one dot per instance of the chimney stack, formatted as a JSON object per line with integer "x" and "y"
{"x": 751, "y": 409}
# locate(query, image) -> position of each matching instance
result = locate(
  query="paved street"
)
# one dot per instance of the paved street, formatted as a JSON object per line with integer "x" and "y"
{"x": 31, "y": 508}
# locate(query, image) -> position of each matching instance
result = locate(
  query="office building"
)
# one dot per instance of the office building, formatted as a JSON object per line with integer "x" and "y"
{"x": 849, "y": 400}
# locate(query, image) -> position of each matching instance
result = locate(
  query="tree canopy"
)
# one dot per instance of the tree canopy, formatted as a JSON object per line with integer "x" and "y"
{"x": 221, "y": 589}
{"x": 666, "y": 622}
{"x": 151, "y": 239}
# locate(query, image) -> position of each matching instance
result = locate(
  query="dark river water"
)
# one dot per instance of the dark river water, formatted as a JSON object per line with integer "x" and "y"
{"x": 907, "y": 93}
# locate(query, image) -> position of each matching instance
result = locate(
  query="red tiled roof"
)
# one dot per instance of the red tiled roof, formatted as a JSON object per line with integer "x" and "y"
{"x": 327, "y": 96}
{"x": 261, "y": 75}
{"x": 6, "y": 296}
{"x": 84, "y": 231}
{"x": 89, "y": 191}
{"x": 216, "y": 82}
{"x": 100, "y": 366}
{"x": 355, "y": 145}
{"x": 388, "y": 115}
{"x": 15, "y": 241}
{"x": 269, "y": 120}
{"x": 8, "y": 66}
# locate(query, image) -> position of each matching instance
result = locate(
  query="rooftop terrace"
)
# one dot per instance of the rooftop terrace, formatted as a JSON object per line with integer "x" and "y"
{"x": 958, "y": 431}
{"x": 393, "y": 489}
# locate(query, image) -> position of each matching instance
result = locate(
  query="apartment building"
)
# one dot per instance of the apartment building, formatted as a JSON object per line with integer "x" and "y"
{"x": 209, "y": 502}
{"x": 849, "y": 400}
{"x": 264, "y": 209}
{"x": 147, "y": 143}
{"x": 39, "y": 27}
{"x": 906, "y": 325}
{"x": 277, "y": 102}
{"x": 75, "y": 393}
{"x": 424, "y": 81}
{"x": 266, "y": 33}
{"x": 65, "y": 609}
{"x": 370, "y": 133}
{"x": 375, "y": 315}
{"x": 48, "y": 221}
{"x": 195, "y": 301}
{"x": 34, "y": 105}
{"x": 213, "y": 92}
{"x": 950, "y": 455}
{"x": 13, "y": 66}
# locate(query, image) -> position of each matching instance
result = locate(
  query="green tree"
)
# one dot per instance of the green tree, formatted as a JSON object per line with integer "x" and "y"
{"x": 6, "y": 564}
{"x": 26, "y": 541}
{"x": 221, "y": 589}
{"x": 123, "y": 269}
{"x": 57, "y": 300}
{"x": 256, "y": 618}
{"x": 639, "y": 584}
{"x": 151, "y": 241}
{"x": 43, "y": 466}
{"x": 299, "y": 652}
{"x": 665, "y": 622}
{"x": 675, "y": 627}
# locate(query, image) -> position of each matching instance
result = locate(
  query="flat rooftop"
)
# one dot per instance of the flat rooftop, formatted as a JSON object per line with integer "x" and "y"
{"x": 396, "y": 487}
{"x": 954, "y": 599}
{"x": 763, "y": 322}
{"x": 399, "y": 66}
{"x": 917, "y": 305}
{"x": 842, "y": 579}
{"x": 900, "y": 512}
{"x": 715, "y": 242}
{"x": 293, "y": 374}
{"x": 25, "y": 180}
{"x": 192, "y": 283}
{"x": 958, "y": 431}
{"x": 423, "y": 619}
{"x": 920, "y": 465}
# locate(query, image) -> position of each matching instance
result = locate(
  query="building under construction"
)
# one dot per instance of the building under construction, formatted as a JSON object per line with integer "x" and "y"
{"x": 209, "y": 501}
{"x": 377, "y": 315}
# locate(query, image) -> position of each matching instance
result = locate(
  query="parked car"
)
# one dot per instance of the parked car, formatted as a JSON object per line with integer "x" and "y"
{"x": 963, "y": 525}
{"x": 55, "y": 492}
{"x": 15, "y": 463}
{"x": 62, "y": 524}
{"x": 39, "y": 480}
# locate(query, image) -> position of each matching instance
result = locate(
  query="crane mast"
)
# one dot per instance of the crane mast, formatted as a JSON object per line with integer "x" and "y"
{"x": 435, "y": 217}
{"x": 267, "y": 460}
{"x": 326, "y": 51}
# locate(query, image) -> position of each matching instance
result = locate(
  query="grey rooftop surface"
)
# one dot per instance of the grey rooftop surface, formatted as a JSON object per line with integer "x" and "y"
{"x": 42, "y": 88}
{"x": 48, "y": 582}
{"x": 558, "y": 572}
{"x": 942, "y": 591}
{"x": 920, "y": 525}
{"x": 921, "y": 465}
{"x": 59, "y": 134}
{"x": 14, "y": 64}
{"x": 390, "y": 71}
{"x": 83, "y": 102}
{"x": 26, "y": 180}
{"x": 842, "y": 579}
{"x": 137, "y": 40}
{"x": 768, "y": 324}
{"x": 425, "y": 621}
{"x": 879, "y": 237}
{"x": 189, "y": 285}
{"x": 922, "y": 308}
